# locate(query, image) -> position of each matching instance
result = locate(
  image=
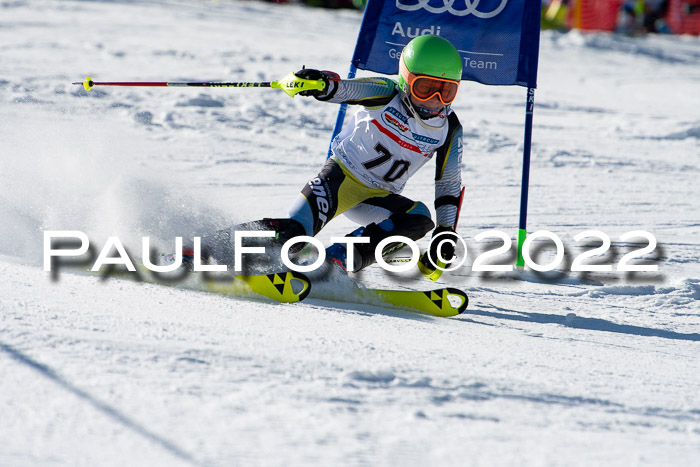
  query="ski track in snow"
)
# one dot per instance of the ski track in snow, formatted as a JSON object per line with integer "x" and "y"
{"x": 553, "y": 369}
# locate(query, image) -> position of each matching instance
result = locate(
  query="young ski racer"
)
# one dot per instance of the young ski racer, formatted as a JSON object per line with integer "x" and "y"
{"x": 398, "y": 129}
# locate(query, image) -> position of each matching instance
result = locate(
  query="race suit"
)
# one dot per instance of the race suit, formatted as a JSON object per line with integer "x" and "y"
{"x": 373, "y": 157}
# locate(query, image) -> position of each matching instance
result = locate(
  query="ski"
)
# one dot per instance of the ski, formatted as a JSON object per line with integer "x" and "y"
{"x": 442, "y": 302}
{"x": 283, "y": 286}
{"x": 294, "y": 287}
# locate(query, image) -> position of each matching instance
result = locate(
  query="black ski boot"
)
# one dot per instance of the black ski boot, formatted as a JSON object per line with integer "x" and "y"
{"x": 412, "y": 226}
{"x": 220, "y": 244}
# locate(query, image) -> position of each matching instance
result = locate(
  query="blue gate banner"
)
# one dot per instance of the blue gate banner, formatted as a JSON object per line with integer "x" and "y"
{"x": 498, "y": 40}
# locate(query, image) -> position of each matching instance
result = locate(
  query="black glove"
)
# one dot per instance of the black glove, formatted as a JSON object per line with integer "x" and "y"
{"x": 326, "y": 76}
{"x": 442, "y": 247}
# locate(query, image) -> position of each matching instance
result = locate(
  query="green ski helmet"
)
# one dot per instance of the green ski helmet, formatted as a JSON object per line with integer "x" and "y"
{"x": 429, "y": 56}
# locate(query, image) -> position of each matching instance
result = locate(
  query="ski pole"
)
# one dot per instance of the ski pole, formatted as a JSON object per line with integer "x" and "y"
{"x": 290, "y": 84}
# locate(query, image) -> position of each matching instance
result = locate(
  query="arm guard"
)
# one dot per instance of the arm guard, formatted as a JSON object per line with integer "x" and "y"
{"x": 448, "y": 173}
{"x": 369, "y": 92}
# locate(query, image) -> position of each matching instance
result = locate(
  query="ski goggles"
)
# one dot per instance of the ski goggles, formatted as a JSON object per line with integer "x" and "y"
{"x": 423, "y": 88}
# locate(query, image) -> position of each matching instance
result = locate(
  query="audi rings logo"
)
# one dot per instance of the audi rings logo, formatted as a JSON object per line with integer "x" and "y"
{"x": 470, "y": 7}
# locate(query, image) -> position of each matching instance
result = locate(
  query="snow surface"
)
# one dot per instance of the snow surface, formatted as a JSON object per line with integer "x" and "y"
{"x": 601, "y": 369}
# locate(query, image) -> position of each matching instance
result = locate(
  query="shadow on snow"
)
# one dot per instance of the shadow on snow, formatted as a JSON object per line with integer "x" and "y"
{"x": 578, "y": 322}
{"x": 103, "y": 407}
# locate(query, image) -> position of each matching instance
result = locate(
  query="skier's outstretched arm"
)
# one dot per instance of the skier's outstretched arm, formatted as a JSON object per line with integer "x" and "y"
{"x": 368, "y": 92}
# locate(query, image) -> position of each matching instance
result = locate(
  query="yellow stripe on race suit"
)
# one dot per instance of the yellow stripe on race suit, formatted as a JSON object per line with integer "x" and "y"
{"x": 352, "y": 191}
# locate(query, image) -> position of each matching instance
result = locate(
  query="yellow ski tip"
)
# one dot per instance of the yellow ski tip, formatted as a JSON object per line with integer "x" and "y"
{"x": 292, "y": 84}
